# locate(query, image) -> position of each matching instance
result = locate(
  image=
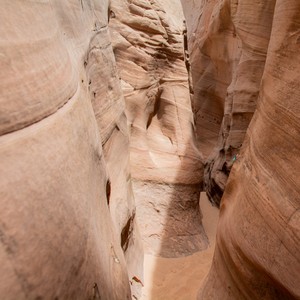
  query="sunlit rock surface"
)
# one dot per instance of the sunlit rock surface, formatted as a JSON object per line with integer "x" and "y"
{"x": 67, "y": 226}
{"x": 166, "y": 166}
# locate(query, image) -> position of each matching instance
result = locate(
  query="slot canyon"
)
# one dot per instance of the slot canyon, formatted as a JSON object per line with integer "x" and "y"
{"x": 150, "y": 149}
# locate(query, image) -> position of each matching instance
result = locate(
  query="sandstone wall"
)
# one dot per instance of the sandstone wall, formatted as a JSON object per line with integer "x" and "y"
{"x": 166, "y": 166}
{"x": 228, "y": 42}
{"x": 67, "y": 226}
{"x": 257, "y": 247}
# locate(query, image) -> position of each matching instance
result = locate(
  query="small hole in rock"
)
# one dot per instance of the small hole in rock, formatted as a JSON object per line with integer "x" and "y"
{"x": 108, "y": 191}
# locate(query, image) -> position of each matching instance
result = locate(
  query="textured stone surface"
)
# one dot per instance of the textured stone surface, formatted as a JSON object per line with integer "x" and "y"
{"x": 228, "y": 41}
{"x": 155, "y": 84}
{"x": 179, "y": 278}
{"x": 149, "y": 49}
{"x": 66, "y": 198}
{"x": 68, "y": 222}
{"x": 169, "y": 218}
{"x": 257, "y": 248}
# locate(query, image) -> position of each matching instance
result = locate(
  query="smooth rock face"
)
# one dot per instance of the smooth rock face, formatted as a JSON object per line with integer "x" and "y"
{"x": 257, "y": 248}
{"x": 148, "y": 44}
{"x": 228, "y": 42}
{"x": 65, "y": 189}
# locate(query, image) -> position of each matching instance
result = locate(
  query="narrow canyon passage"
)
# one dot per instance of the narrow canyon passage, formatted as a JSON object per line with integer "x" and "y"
{"x": 180, "y": 278}
{"x": 117, "y": 117}
{"x": 166, "y": 165}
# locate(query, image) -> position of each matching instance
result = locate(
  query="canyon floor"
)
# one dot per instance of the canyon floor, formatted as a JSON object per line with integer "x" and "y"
{"x": 180, "y": 278}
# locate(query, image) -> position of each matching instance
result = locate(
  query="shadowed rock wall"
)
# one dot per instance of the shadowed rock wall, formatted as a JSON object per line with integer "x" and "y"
{"x": 65, "y": 189}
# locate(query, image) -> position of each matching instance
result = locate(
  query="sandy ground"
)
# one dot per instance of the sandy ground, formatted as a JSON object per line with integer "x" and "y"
{"x": 180, "y": 278}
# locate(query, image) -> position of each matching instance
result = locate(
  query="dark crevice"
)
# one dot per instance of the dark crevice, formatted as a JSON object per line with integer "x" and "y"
{"x": 96, "y": 293}
{"x": 155, "y": 109}
{"x": 108, "y": 191}
{"x": 126, "y": 232}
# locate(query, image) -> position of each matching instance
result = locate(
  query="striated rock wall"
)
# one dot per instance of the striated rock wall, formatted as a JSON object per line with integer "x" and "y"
{"x": 228, "y": 42}
{"x": 68, "y": 222}
{"x": 67, "y": 226}
{"x": 166, "y": 166}
{"x": 257, "y": 246}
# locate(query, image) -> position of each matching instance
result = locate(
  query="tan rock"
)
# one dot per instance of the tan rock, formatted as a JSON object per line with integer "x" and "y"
{"x": 67, "y": 208}
{"x": 257, "y": 247}
{"x": 179, "y": 278}
{"x": 68, "y": 219}
{"x": 165, "y": 163}
{"x": 228, "y": 41}
{"x": 169, "y": 218}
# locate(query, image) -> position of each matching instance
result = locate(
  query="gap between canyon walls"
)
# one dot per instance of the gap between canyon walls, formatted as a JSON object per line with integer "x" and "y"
{"x": 150, "y": 41}
{"x": 166, "y": 166}
{"x": 228, "y": 43}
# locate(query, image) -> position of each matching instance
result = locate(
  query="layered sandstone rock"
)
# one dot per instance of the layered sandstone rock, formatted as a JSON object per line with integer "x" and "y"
{"x": 257, "y": 248}
{"x": 68, "y": 218}
{"x": 228, "y": 42}
{"x": 166, "y": 165}
{"x": 66, "y": 198}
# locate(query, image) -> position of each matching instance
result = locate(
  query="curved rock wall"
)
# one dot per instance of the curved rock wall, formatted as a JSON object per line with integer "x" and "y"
{"x": 66, "y": 202}
{"x": 166, "y": 166}
{"x": 148, "y": 44}
{"x": 256, "y": 255}
{"x": 68, "y": 218}
{"x": 228, "y": 42}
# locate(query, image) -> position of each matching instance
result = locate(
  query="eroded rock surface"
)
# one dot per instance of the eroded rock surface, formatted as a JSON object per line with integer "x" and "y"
{"x": 68, "y": 220}
{"x": 149, "y": 48}
{"x": 257, "y": 246}
{"x": 65, "y": 189}
{"x": 228, "y": 42}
